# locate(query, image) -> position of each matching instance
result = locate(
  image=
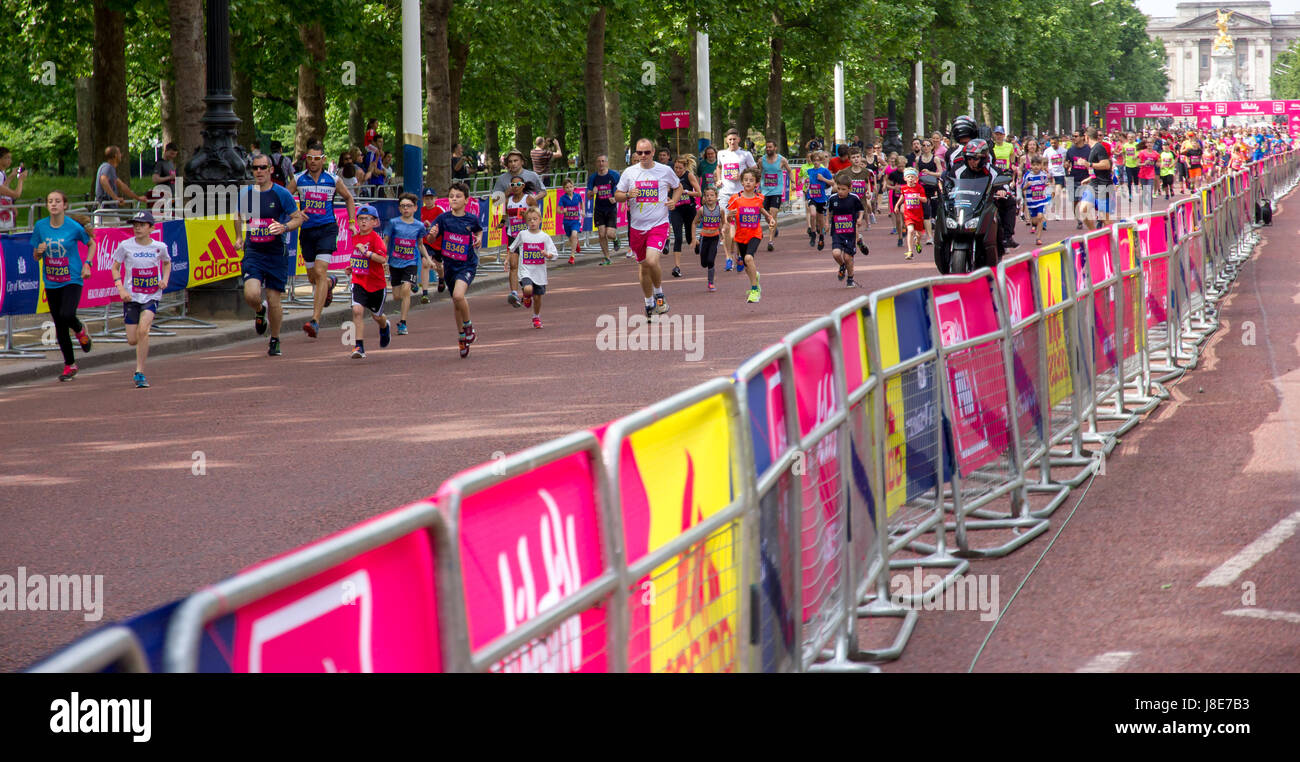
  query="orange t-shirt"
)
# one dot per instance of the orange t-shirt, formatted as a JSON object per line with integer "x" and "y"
{"x": 749, "y": 217}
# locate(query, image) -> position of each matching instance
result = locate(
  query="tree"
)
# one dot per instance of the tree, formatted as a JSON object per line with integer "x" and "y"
{"x": 594, "y": 87}
{"x": 311, "y": 96}
{"x": 188, "y": 74}
{"x": 436, "y": 16}
{"x": 109, "y": 90}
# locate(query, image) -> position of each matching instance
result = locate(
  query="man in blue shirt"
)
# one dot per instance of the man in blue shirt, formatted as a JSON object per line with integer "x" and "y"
{"x": 604, "y": 212}
{"x": 268, "y": 211}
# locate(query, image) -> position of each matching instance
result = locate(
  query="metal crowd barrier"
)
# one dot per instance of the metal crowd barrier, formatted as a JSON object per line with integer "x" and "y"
{"x": 842, "y": 447}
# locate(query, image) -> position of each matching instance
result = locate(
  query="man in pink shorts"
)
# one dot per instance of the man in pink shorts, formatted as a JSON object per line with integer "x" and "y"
{"x": 650, "y": 190}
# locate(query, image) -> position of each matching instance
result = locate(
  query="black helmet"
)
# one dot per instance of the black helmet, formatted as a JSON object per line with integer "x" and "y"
{"x": 977, "y": 148}
{"x": 964, "y": 127}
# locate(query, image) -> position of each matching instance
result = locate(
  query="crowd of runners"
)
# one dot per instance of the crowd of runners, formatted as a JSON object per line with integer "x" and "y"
{"x": 721, "y": 203}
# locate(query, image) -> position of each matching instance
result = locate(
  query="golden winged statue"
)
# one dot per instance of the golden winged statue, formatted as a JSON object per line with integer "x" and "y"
{"x": 1223, "y": 40}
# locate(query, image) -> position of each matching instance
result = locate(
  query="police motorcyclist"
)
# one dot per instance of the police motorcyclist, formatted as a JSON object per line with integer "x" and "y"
{"x": 964, "y": 130}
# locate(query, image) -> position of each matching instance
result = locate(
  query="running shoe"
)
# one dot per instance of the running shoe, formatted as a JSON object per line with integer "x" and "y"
{"x": 329, "y": 295}
{"x": 697, "y": 247}
{"x": 776, "y": 232}
{"x": 862, "y": 247}
{"x": 677, "y": 272}
{"x": 616, "y": 243}
{"x": 1078, "y": 226}
{"x": 727, "y": 267}
{"x": 843, "y": 269}
{"x": 606, "y": 262}
{"x": 385, "y": 336}
{"x": 740, "y": 265}
{"x": 358, "y": 353}
{"x": 810, "y": 232}
{"x": 83, "y": 339}
{"x": 259, "y": 320}
{"x": 628, "y": 255}
{"x": 712, "y": 288}
{"x": 893, "y": 231}
{"x": 401, "y": 328}
{"x": 470, "y": 334}
{"x": 464, "y": 347}
{"x": 537, "y": 322}
{"x": 649, "y": 311}
{"x": 850, "y": 283}
{"x": 311, "y": 328}
{"x": 424, "y": 296}
{"x": 513, "y": 300}
{"x": 900, "y": 242}
{"x": 528, "y": 301}
{"x": 753, "y": 295}
{"x": 908, "y": 255}
{"x": 140, "y": 381}
{"x": 273, "y": 348}
{"x": 871, "y": 218}
{"x": 68, "y": 372}
{"x": 821, "y": 242}
{"x": 769, "y": 243}
{"x": 1011, "y": 244}
{"x": 812, "y": 238}
{"x": 442, "y": 285}
{"x": 661, "y": 304}
{"x": 570, "y": 259}
{"x": 1044, "y": 226}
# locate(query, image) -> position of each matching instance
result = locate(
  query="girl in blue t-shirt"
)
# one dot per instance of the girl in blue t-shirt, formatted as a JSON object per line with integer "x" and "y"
{"x": 55, "y": 247}
{"x": 571, "y": 213}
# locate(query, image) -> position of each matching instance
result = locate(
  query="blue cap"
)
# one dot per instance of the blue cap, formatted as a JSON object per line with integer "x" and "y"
{"x": 143, "y": 216}
{"x": 368, "y": 209}
{"x": 430, "y": 193}
{"x": 1000, "y": 129}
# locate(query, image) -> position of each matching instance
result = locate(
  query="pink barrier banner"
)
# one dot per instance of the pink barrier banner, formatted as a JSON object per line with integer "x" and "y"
{"x": 816, "y": 402}
{"x": 853, "y": 343}
{"x": 342, "y": 256}
{"x": 976, "y": 381}
{"x": 98, "y": 289}
{"x": 1132, "y": 302}
{"x": 528, "y": 545}
{"x": 1207, "y": 108}
{"x": 1154, "y": 242}
{"x": 376, "y": 612}
{"x": 1020, "y": 305}
{"x": 1101, "y": 266}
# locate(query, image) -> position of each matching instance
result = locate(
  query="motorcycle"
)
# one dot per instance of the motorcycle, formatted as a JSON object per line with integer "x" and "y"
{"x": 966, "y": 221}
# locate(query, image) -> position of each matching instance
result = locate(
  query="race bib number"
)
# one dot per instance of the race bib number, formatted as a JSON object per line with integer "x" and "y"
{"x": 708, "y": 179}
{"x": 1002, "y": 163}
{"x": 1193, "y": 161}
{"x": 748, "y": 217}
{"x": 647, "y": 192}
{"x": 515, "y": 222}
{"x": 144, "y": 280}
{"x": 533, "y": 253}
{"x": 711, "y": 221}
{"x": 1081, "y": 164}
{"x": 456, "y": 246}
{"x": 602, "y": 192}
{"x": 842, "y": 223}
{"x": 403, "y": 250}
{"x": 1038, "y": 192}
{"x": 770, "y": 180}
{"x": 316, "y": 201}
{"x": 572, "y": 213}
{"x": 730, "y": 171}
{"x": 913, "y": 200}
{"x": 858, "y": 188}
{"x": 360, "y": 263}
{"x": 259, "y": 230}
{"x": 57, "y": 270}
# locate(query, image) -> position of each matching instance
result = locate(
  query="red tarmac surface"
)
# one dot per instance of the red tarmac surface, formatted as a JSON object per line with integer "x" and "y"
{"x": 97, "y": 475}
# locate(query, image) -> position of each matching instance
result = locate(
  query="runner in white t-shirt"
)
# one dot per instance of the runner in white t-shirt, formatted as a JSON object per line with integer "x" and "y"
{"x": 533, "y": 248}
{"x": 1056, "y": 167}
{"x": 731, "y": 163}
{"x": 650, "y": 190}
{"x": 141, "y": 267}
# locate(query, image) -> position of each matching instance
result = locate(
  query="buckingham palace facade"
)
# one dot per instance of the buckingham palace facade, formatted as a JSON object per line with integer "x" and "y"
{"x": 1258, "y": 37}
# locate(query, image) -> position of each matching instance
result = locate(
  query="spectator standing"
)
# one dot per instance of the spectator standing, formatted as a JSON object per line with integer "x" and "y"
{"x": 459, "y": 163}
{"x": 109, "y": 188}
{"x": 9, "y": 195}
{"x": 542, "y": 156}
{"x": 164, "y": 174}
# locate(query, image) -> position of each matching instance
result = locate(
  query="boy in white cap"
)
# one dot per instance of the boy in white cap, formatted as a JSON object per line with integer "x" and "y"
{"x": 141, "y": 267}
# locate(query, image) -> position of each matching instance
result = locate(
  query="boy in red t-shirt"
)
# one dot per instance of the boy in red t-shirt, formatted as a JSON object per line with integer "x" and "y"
{"x": 745, "y": 212}
{"x": 911, "y": 202}
{"x": 428, "y": 213}
{"x": 368, "y": 280}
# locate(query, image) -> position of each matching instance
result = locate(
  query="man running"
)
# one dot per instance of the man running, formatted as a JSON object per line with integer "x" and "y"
{"x": 650, "y": 190}
{"x": 318, "y": 236}
{"x": 268, "y": 211}
{"x": 731, "y": 162}
{"x": 1004, "y": 161}
{"x": 1100, "y": 187}
{"x": 1076, "y": 161}
{"x": 776, "y": 170}
{"x": 604, "y": 212}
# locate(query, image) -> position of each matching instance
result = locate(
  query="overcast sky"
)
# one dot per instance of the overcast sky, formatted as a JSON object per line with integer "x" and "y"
{"x": 1166, "y": 7}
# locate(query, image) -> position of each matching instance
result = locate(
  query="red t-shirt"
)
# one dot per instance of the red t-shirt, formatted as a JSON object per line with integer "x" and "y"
{"x": 913, "y": 198}
{"x": 749, "y": 217}
{"x": 366, "y": 272}
{"x": 1147, "y": 160}
{"x": 836, "y": 164}
{"x": 427, "y": 216}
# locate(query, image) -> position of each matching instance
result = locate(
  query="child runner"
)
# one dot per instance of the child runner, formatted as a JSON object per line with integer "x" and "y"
{"x": 710, "y": 232}
{"x": 1167, "y": 161}
{"x": 141, "y": 267}
{"x": 368, "y": 256}
{"x": 458, "y": 231}
{"x": 845, "y": 211}
{"x": 533, "y": 248}
{"x": 911, "y": 205}
{"x": 745, "y": 212}
{"x": 817, "y": 189}
{"x": 428, "y": 213}
{"x": 571, "y": 209}
{"x": 406, "y": 253}
{"x": 54, "y": 241}
{"x": 1035, "y": 186}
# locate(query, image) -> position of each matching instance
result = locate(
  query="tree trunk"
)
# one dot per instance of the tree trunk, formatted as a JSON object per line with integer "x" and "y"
{"x": 356, "y": 121}
{"x": 616, "y": 141}
{"x": 109, "y": 90}
{"x": 807, "y": 127}
{"x": 491, "y": 146}
{"x": 597, "y": 135}
{"x": 561, "y": 127}
{"x": 721, "y": 123}
{"x": 311, "y": 96}
{"x": 869, "y": 115}
{"x": 745, "y": 120}
{"x": 459, "y": 56}
{"x": 437, "y": 82}
{"x": 85, "y": 127}
{"x": 552, "y": 114}
{"x": 984, "y": 109}
{"x": 189, "y": 72}
{"x": 678, "y": 90}
{"x": 524, "y": 133}
{"x": 773, "y": 129}
{"x": 241, "y": 86}
{"x": 167, "y": 106}
{"x": 785, "y": 140}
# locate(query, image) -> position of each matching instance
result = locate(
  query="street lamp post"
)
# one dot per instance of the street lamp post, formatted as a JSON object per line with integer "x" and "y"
{"x": 892, "y": 142}
{"x": 220, "y": 160}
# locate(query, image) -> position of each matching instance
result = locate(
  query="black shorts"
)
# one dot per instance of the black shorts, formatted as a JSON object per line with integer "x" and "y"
{"x": 771, "y": 202}
{"x": 846, "y": 243}
{"x": 1167, "y": 181}
{"x": 371, "y": 300}
{"x": 539, "y": 289}
{"x": 315, "y": 241}
{"x": 818, "y": 206}
{"x": 455, "y": 269}
{"x": 605, "y": 218}
{"x": 131, "y": 310}
{"x": 399, "y": 275}
{"x": 748, "y": 249}
{"x": 1059, "y": 180}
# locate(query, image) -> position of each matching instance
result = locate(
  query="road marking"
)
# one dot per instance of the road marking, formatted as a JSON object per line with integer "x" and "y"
{"x": 1112, "y": 661}
{"x": 1282, "y": 616}
{"x": 1252, "y": 553}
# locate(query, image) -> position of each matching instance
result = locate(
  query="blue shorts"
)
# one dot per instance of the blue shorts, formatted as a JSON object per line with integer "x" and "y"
{"x": 454, "y": 270}
{"x": 131, "y": 310}
{"x": 571, "y": 227}
{"x": 1104, "y": 201}
{"x": 1037, "y": 210}
{"x": 270, "y": 270}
